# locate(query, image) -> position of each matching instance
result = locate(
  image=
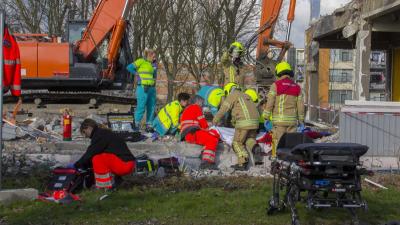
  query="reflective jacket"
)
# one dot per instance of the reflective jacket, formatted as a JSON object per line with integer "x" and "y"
{"x": 145, "y": 70}
{"x": 192, "y": 119}
{"x": 12, "y": 65}
{"x": 169, "y": 115}
{"x": 212, "y": 97}
{"x": 285, "y": 103}
{"x": 244, "y": 111}
{"x": 231, "y": 71}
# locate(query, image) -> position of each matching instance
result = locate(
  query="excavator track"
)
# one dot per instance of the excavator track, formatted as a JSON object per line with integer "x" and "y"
{"x": 95, "y": 98}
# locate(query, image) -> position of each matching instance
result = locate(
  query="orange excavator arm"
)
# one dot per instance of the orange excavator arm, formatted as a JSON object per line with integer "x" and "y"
{"x": 109, "y": 19}
{"x": 269, "y": 17}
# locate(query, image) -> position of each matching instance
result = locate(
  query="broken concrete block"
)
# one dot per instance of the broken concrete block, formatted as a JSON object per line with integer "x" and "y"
{"x": 12, "y": 195}
{"x": 9, "y": 132}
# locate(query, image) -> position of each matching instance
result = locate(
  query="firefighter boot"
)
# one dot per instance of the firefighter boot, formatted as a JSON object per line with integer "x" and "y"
{"x": 242, "y": 164}
{"x": 257, "y": 153}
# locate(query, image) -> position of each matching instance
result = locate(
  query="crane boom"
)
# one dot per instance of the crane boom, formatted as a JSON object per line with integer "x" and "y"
{"x": 106, "y": 17}
{"x": 265, "y": 62}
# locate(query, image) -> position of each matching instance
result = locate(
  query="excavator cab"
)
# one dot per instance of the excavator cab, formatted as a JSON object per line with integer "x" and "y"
{"x": 75, "y": 30}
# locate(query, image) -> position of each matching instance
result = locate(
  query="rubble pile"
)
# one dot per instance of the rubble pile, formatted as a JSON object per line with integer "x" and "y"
{"x": 334, "y": 138}
{"x": 38, "y": 141}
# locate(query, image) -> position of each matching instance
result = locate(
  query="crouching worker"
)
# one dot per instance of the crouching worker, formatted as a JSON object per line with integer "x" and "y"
{"x": 107, "y": 154}
{"x": 167, "y": 120}
{"x": 245, "y": 118}
{"x": 194, "y": 129}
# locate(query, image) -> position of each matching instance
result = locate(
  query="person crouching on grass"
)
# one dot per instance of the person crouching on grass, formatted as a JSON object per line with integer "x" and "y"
{"x": 107, "y": 154}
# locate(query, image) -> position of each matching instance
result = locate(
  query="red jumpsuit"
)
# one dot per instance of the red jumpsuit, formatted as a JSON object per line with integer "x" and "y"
{"x": 12, "y": 65}
{"x": 194, "y": 129}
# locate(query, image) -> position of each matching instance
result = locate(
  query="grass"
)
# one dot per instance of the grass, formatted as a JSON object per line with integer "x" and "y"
{"x": 240, "y": 200}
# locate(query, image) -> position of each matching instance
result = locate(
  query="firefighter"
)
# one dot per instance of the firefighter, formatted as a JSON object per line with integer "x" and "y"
{"x": 167, "y": 120}
{"x": 12, "y": 65}
{"x": 212, "y": 96}
{"x": 245, "y": 118}
{"x": 232, "y": 62}
{"x": 145, "y": 70}
{"x": 194, "y": 129}
{"x": 284, "y": 105}
{"x": 107, "y": 153}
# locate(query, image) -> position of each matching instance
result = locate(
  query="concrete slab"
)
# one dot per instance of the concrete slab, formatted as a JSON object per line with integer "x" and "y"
{"x": 12, "y": 195}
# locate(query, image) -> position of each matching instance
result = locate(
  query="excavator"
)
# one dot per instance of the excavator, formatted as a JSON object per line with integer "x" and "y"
{"x": 91, "y": 57}
{"x": 266, "y": 57}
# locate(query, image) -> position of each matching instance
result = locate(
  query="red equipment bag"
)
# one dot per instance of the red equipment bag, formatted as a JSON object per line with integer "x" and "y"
{"x": 65, "y": 183}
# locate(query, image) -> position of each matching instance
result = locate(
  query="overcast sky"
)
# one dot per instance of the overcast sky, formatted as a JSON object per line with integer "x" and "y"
{"x": 302, "y": 17}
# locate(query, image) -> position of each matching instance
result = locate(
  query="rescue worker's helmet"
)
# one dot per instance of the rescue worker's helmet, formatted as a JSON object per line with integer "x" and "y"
{"x": 253, "y": 94}
{"x": 236, "y": 49}
{"x": 283, "y": 68}
{"x": 229, "y": 87}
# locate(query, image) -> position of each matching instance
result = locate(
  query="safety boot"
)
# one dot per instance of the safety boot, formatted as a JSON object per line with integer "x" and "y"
{"x": 149, "y": 129}
{"x": 258, "y": 155}
{"x": 208, "y": 166}
{"x": 242, "y": 164}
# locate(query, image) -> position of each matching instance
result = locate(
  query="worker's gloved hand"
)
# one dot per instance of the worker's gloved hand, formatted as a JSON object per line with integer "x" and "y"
{"x": 300, "y": 128}
{"x": 71, "y": 165}
{"x": 268, "y": 125}
{"x": 154, "y": 136}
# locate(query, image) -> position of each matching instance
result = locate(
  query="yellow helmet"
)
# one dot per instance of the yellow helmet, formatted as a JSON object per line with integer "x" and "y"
{"x": 228, "y": 88}
{"x": 283, "y": 68}
{"x": 236, "y": 48}
{"x": 253, "y": 94}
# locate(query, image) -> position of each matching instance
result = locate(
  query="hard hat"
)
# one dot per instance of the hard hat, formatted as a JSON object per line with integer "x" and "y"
{"x": 253, "y": 94}
{"x": 283, "y": 68}
{"x": 236, "y": 48}
{"x": 228, "y": 88}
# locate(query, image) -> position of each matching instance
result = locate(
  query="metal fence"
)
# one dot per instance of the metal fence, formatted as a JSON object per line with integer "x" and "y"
{"x": 379, "y": 131}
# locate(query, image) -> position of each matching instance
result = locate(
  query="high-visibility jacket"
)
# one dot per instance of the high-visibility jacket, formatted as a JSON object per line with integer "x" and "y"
{"x": 231, "y": 71}
{"x": 244, "y": 111}
{"x": 212, "y": 97}
{"x": 169, "y": 115}
{"x": 285, "y": 103}
{"x": 192, "y": 119}
{"x": 12, "y": 65}
{"x": 145, "y": 71}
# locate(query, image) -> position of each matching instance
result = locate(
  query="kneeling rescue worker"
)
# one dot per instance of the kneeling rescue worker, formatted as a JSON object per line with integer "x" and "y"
{"x": 245, "y": 118}
{"x": 284, "y": 104}
{"x": 107, "y": 153}
{"x": 167, "y": 120}
{"x": 194, "y": 129}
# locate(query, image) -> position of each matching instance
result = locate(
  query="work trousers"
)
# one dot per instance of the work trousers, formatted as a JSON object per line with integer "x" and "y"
{"x": 277, "y": 133}
{"x": 146, "y": 101}
{"x": 106, "y": 165}
{"x": 206, "y": 139}
{"x": 243, "y": 141}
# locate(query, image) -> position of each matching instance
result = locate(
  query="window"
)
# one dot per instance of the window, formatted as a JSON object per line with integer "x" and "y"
{"x": 346, "y": 56}
{"x": 341, "y": 75}
{"x": 339, "y": 96}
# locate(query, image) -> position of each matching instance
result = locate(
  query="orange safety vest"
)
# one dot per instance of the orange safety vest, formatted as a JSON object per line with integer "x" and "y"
{"x": 12, "y": 65}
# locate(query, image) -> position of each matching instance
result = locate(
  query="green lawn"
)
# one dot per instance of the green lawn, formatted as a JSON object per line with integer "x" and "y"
{"x": 184, "y": 201}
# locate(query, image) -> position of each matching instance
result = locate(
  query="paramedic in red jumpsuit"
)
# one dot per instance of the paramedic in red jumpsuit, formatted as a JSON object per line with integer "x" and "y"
{"x": 12, "y": 65}
{"x": 107, "y": 153}
{"x": 194, "y": 129}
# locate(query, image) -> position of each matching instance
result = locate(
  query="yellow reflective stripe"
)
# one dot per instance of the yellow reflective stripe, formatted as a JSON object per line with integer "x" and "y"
{"x": 244, "y": 108}
{"x": 149, "y": 166}
{"x": 246, "y": 123}
{"x": 232, "y": 72}
{"x": 200, "y": 117}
